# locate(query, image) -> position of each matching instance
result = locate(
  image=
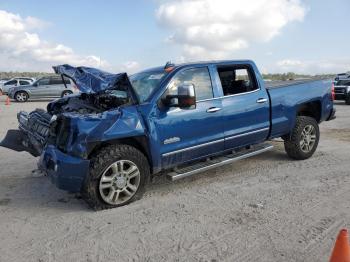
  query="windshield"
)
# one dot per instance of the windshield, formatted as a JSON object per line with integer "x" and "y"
{"x": 343, "y": 83}
{"x": 145, "y": 83}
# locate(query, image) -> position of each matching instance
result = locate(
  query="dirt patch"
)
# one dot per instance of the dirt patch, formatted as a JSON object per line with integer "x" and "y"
{"x": 339, "y": 134}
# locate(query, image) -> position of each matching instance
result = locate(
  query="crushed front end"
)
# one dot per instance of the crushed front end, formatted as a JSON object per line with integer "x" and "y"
{"x": 66, "y": 133}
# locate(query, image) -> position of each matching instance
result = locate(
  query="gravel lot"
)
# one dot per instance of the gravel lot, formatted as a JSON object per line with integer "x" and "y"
{"x": 267, "y": 208}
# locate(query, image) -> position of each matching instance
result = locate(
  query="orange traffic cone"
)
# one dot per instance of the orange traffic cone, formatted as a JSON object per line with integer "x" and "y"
{"x": 341, "y": 250}
{"x": 7, "y": 101}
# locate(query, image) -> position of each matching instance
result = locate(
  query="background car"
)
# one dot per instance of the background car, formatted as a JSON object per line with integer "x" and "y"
{"x": 342, "y": 76}
{"x": 18, "y": 81}
{"x": 342, "y": 90}
{"x": 46, "y": 87}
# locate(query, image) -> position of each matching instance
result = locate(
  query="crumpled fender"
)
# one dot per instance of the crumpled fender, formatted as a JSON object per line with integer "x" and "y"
{"x": 87, "y": 131}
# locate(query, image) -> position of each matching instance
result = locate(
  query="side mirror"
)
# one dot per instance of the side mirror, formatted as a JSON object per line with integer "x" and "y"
{"x": 35, "y": 84}
{"x": 185, "y": 97}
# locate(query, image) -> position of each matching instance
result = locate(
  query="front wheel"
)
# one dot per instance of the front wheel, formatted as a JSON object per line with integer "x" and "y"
{"x": 21, "y": 96}
{"x": 118, "y": 176}
{"x": 304, "y": 138}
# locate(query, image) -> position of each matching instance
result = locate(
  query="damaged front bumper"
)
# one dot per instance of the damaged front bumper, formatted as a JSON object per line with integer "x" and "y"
{"x": 32, "y": 135}
{"x": 65, "y": 171}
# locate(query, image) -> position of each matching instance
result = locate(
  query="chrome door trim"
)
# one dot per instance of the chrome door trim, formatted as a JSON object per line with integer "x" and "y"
{"x": 248, "y": 133}
{"x": 192, "y": 147}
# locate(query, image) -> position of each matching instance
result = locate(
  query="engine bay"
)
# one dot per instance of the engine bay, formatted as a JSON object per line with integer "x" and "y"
{"x": 89, "y": 103}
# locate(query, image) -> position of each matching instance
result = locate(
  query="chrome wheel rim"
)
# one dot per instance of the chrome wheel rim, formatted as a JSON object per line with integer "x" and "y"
{"x": 308, "y": 138}
{"x": 21, "y": 97}
{"x": 119, "y": 182}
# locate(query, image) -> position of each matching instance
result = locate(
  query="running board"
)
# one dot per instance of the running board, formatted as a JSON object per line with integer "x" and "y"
{"x": 186, "y": 171}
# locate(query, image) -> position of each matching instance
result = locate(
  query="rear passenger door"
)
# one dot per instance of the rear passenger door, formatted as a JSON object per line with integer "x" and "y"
{"x": 39, "y": 88}
{"x": 245, "y": 106}
{"x": 56, "y": 87}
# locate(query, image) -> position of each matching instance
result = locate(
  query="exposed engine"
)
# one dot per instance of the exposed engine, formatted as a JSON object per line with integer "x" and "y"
{"x": 101, "y": 91}
{"x": 41, "y": 127}
{"x": 89, "y": 103}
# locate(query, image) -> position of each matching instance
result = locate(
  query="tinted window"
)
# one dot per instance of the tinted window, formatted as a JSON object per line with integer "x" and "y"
{"x": 236, "y": 80}
{"x": 43, "y": 81}
{"x": 56, "y": 81}
{"x": 199, "y": 77}
{"x": 343, "y": 83}
{"x": 11, "y": 83}
{"x": 23, "y": 82}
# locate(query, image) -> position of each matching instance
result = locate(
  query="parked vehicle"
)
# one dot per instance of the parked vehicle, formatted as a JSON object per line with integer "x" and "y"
{"x": 342, "y": 90}
{"x": 45, "y": 87}
{"x": 18, "y": 81}
{"x": 342, "y": 76}
{"x": 176, "y": 120}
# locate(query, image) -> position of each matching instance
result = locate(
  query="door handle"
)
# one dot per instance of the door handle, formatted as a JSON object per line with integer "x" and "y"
{"x": 261, "y": 100}
{"x": 213, "y": 109}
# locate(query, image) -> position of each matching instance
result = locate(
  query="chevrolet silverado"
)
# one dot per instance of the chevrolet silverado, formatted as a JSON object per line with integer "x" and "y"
{"x": 177, "y": 120}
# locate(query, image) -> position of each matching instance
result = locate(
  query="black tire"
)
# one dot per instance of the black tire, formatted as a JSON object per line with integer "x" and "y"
{"x": 347, "y": 100}
{"x": 293, "y": 144}
{"x": 100, "y": 163}
{"x": 65, "y": 93}
{"x": 21, "y": 96}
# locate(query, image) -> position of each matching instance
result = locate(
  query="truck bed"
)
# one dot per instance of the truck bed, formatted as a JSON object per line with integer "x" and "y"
{"x": 287, "y": 96}
{"x": 280, "y": 83}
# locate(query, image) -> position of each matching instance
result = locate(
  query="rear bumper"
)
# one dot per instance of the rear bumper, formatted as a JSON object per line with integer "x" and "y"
{"x": 331, "y": 115}
{"x": 65, "y": 171}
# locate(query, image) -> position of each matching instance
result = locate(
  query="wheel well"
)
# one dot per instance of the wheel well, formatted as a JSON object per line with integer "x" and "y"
{"x": 21, "y": 91}
{"x": 311, "y": 109}
{"x": 139, "y": 142}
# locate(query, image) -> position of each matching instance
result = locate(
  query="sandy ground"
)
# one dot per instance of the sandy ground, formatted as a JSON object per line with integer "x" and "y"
{"x": 267, "y": 208}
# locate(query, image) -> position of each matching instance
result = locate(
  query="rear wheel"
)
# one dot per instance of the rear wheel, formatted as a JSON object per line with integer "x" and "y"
{"x": 66, "y": 93}
{"x": 118, "y": 176}
{"x": 304, "y": 138}
{"x": 21, "y": 96}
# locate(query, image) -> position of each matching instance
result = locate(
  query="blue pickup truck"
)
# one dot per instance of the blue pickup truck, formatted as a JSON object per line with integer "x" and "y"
{"x": 177, "y": 120}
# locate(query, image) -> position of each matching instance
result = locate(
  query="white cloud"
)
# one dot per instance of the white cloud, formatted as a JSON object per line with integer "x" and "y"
{"x": 216, "y": 28}
{"x": 129, "y": 67}
{"x": 22, "y": 49}
{"x": 310, "y": 66}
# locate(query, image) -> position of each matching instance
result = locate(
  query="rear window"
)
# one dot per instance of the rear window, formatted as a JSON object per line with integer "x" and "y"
{"x": 23, "y": 82}
{"x": 236, "y": 79}
{"x": 58, "y": 81}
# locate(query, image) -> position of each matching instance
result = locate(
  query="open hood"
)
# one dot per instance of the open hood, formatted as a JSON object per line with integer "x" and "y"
{"x": 92, "y": 80}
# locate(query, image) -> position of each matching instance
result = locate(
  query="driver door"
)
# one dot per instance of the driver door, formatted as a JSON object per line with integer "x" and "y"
{"x": 189, "y": 134}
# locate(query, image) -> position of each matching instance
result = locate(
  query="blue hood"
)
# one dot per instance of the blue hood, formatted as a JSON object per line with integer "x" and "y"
{"x": 92, "y": 80}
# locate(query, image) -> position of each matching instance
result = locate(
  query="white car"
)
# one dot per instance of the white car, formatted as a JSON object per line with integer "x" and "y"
{"x": 18, "y": 81}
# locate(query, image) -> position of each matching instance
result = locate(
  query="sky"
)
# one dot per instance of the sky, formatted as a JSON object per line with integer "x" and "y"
{"x": 302, "y": 36}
